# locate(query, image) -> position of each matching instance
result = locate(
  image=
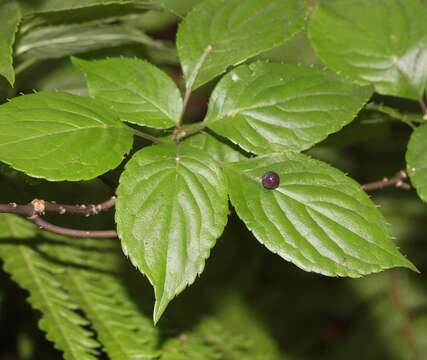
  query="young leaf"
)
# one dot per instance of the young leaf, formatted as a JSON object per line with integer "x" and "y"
{"x": 138, "y": 91}
{"x": 416, "y": 158}
{"x": 236, "y": 30}
{"x": 60, "y": 136}
{"x": 9, "y": 20}
{"x": 319, "y": 219}
{"x": 381, "y": 42}
{"x": 214, "y": 147}
{"x": 266, "y": 107}
{"x": 41, "y": 277}
{"x": 171, "y": 208}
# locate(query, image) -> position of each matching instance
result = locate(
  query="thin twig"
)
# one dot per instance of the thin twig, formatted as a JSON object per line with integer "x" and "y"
{"x": 37, "y": 208}
{"x": 87, "y": 210}
{"x": 96, "y": 234}
{"x": 397, "y": 180}
{"x": 191, "y": 81}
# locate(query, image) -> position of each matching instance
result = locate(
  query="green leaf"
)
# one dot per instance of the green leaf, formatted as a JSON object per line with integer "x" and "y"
{"x": 215, "y": 148}
{"x": 31, "y": 7}
{"x": 10, "y": 17}
{"x": 23, "y": 258}
{"x": 51, "y": 42}
{"x": 138, "y": 91}
{"x": 171, "y": 208}
{"x": 236, "y": 30}
{"x": 416, "y": 159}
{"x": 64, "y": 78}
{"x": 319, "y": 219}
{"x": 266, "y": 107}
{"x": 60, "y": 136}
{"x": 381, "y": 42}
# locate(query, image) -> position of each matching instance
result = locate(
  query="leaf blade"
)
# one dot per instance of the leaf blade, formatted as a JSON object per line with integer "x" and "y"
{"x": 416, "y": 159}
{"x": 266, "y": 107}
{"x": 59, "y": 136}
{"x": 10, "y": 18}
{"x": 138, "y": 91}
{"x": 382, "y": 43}
{"x": 171, "y": 208}
{"x": 227, "y": 26}
{"x": 318, "y": 218}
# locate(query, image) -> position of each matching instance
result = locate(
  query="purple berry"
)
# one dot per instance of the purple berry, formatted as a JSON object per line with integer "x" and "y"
{"x": 270, "y": 180}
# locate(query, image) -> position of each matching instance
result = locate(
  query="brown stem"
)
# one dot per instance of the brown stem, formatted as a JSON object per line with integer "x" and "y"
{"x": 96, "y": 234}
{"x": 397, "y": 180}
{"x": 37, "y": 208}
{"x": 87, "y": 210}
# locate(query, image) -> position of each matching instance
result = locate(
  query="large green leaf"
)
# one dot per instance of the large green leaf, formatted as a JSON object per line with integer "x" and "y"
{"x": 317, "y": 218}
{"x": 51, "y": 42}
{"x": 266, "y": 107}
{"x": 171, "y": 208}
{"x": 382, "y": 42}
{"x": 60, "y": 136}
{"x": 416, "y": 158}
{"x": 236, "y": 30}
{"x": 23, "y": 257}
{"x": 10, "y": 17}
{"x": 138, "y": 91}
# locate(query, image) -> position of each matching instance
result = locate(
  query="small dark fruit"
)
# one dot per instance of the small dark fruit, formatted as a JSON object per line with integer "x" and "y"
{"x": 270, "y": 180}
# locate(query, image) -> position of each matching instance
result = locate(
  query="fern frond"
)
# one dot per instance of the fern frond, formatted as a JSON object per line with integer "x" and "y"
{"x": 94, "y": 279}
{"x": 233, "y": 332}
{"x": 40, "y": 277}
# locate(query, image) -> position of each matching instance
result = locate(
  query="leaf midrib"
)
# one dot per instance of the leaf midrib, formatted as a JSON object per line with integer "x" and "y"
{"x": 59, "y": 133}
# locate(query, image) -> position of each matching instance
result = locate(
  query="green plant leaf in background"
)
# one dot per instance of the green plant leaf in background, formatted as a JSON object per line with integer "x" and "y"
{"x": 236, "y": 30}
{"x": 381, "y": 42}
{"x": 43, "y": 6}
{"x": 318, "y": 218}
{"x": 416, "y": 159}
{"x": 10, "y": 17}
{"x": 60, "y": 136}
{"x": 62, "y": 324}
{"x": 171, "y": 208}
{"x": 138, "y": 91}
{"x": 266, "y": 107}
{"x": 232, "y": 332}
{"x": 51, "y": 42}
